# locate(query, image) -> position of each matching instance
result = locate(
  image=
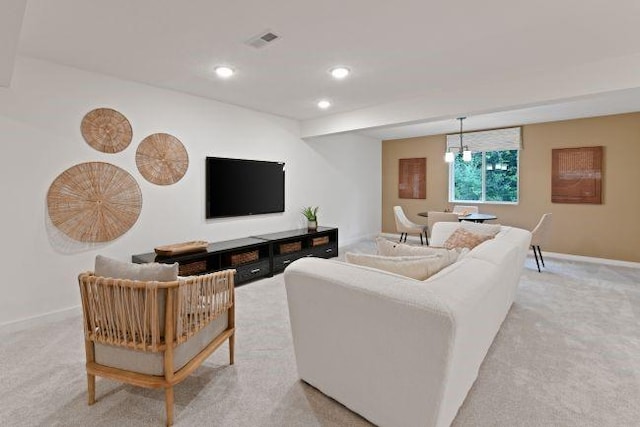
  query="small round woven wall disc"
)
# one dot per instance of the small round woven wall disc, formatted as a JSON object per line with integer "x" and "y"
{"x": 106, "y": 130}
{"x": 162, "y": 159}
{"x": 94, "y": 202}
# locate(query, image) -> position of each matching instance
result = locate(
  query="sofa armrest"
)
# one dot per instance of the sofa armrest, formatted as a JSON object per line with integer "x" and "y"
{"x": 378, "y": 343}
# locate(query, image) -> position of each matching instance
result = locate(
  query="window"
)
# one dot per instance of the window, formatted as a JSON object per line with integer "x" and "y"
{"x": 492, "y": 174}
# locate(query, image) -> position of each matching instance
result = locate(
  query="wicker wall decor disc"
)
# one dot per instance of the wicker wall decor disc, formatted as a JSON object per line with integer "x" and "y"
{"x": 162, "y": 159}
{"x": 106, "y": 130}
{"x": 94, "y": 202}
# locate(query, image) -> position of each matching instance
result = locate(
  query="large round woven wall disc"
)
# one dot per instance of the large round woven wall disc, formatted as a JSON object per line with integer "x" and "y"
{"x": 94, "y": 202}
{"x": 106, "y": 130}
{"x": 162, "y": 159}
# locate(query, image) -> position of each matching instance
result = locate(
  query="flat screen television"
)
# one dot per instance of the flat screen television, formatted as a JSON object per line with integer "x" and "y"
{"x": 238, "y": 187}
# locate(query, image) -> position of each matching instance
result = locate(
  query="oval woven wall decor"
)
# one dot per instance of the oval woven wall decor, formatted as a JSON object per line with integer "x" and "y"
{"x": 106, "y": 130}
{"x": 94, "y": 202}
{"x": 162, "y": 159}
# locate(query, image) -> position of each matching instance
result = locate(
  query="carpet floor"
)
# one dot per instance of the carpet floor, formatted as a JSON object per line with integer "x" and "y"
{"x": 568, "y": 354}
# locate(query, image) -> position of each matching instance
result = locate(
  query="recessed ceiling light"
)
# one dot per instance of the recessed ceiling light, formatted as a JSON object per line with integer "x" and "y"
{"x": 340, "y": 72}
{"x": 324, "y": 104}
{"x": 224, "y": 72}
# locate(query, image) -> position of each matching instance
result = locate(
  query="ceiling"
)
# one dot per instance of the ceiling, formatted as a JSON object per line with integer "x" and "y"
{"x": 599, "y": 105}
{"x": 404, "y": 55}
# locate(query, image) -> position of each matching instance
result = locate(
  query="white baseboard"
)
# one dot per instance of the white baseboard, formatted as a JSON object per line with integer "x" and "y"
{"x": 39, "y": 320}
{"x": 396, "y": 237}
{"x": 592, "y": 260}
{"x": 357, "y": 239}
{"x": 557, "y": 255}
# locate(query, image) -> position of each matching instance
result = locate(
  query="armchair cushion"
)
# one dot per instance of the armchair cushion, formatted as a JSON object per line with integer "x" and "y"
{"x": 153, "y": 363}
{"x": 109, "y": 267}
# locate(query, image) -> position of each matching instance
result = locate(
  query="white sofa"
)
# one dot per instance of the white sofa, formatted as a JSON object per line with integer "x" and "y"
{"x": 395, "y": 350}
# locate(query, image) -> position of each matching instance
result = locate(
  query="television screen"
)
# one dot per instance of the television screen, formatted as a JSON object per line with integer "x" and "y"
{"x": 237, "y": 187}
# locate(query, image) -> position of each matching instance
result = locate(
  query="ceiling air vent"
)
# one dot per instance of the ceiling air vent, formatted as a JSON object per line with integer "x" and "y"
{"x": 263, "y": 39}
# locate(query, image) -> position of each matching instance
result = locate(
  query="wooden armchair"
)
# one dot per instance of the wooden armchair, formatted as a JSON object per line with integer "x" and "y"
{"x": 154, "y": 334}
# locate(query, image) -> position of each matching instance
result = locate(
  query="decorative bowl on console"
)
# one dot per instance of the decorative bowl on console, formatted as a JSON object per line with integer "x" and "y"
{"x": 181, "y": 248}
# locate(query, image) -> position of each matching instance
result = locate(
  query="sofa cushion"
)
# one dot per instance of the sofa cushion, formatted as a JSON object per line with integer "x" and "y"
{"x": 109, "y": 267}
{"x": 389, "y": 248}
{"x": 415, "y": 267}
{"x": 462, "y": 238}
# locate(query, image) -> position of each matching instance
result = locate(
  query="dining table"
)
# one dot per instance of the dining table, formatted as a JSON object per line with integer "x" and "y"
{"x": 474, "y": 217}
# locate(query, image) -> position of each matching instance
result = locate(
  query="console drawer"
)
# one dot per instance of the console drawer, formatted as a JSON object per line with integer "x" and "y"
{"x": 252, "y": 271}
{"x": 325, "y": 251}
{"x": 281, "y": 262}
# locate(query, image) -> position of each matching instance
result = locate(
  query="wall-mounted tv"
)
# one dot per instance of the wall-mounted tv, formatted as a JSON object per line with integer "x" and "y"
{"x": 238, "y": 187}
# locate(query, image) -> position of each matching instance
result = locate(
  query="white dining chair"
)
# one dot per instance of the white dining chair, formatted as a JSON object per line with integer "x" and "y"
{"x": 435, "y": 216}
{"x": 405, "y": 226}
{"x": 539, "y": 237}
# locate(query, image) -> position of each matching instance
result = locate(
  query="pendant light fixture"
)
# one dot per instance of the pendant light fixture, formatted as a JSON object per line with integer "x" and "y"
{"x": 464, "y": 150}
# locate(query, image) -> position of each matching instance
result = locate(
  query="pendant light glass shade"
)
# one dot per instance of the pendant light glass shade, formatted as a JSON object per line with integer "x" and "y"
{"x": 464, "y": 150}
{"x": 448, "y": 157}
{"x": 466, "y": 155}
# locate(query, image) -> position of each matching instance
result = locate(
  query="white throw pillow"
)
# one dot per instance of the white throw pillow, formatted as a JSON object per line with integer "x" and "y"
{"x": 109, "y": 267}
{"x": 389, "y": 248}
{"x": 416, "y": 267}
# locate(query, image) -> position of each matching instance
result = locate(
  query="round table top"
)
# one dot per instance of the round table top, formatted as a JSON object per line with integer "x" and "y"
{"x": 477, "y": 217}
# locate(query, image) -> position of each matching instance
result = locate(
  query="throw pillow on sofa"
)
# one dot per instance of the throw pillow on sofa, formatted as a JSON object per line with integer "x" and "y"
{"x": 479, "y": 228}
{"x": 389, "y": 248}
{"x": 462, "y": 238}
{"x": 415, "y": 267}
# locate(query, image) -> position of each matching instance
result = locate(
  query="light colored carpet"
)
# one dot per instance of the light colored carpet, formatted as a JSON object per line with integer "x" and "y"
{"x": 568, "y": 354}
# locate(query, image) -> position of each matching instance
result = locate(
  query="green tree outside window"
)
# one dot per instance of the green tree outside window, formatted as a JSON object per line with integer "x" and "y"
{"x": 490, "y": 176}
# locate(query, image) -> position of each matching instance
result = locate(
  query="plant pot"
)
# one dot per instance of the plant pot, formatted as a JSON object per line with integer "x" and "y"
{"x": 312, "y": 225}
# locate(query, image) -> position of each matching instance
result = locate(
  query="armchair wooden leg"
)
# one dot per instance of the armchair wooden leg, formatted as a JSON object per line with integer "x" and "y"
{"x": 421, "y": 242}
{"x": 232, "y": 344}
{"x": 91, "y": 389}
{"x": 168, "y": 397}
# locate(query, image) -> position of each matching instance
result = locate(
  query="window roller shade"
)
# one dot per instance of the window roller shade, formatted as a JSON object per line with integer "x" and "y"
{"x": 488, "y": 140}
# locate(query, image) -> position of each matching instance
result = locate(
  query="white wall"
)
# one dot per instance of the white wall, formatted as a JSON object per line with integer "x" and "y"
{"x": 40, "y": 117}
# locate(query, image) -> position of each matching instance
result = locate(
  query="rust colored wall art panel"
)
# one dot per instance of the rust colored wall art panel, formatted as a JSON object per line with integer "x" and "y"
{"x": 412, "y": 182}
{"x": 576, "y": 175}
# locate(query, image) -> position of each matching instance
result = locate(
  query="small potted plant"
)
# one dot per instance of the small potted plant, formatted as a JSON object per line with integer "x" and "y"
{"x": 312, "y": 217}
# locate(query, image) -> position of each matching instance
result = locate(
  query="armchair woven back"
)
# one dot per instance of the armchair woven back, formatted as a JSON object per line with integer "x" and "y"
{"x": 128, "y": 313}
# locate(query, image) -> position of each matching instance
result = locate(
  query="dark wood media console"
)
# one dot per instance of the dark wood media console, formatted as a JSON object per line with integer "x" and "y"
{"x": 256, "y": 256}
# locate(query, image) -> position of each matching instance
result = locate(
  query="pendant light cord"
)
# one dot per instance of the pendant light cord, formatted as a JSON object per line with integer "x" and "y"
{"x": 461, "y": 145}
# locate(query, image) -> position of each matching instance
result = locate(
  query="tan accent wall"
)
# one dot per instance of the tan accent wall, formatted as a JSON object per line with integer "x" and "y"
{"x": 610, "y": 230}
